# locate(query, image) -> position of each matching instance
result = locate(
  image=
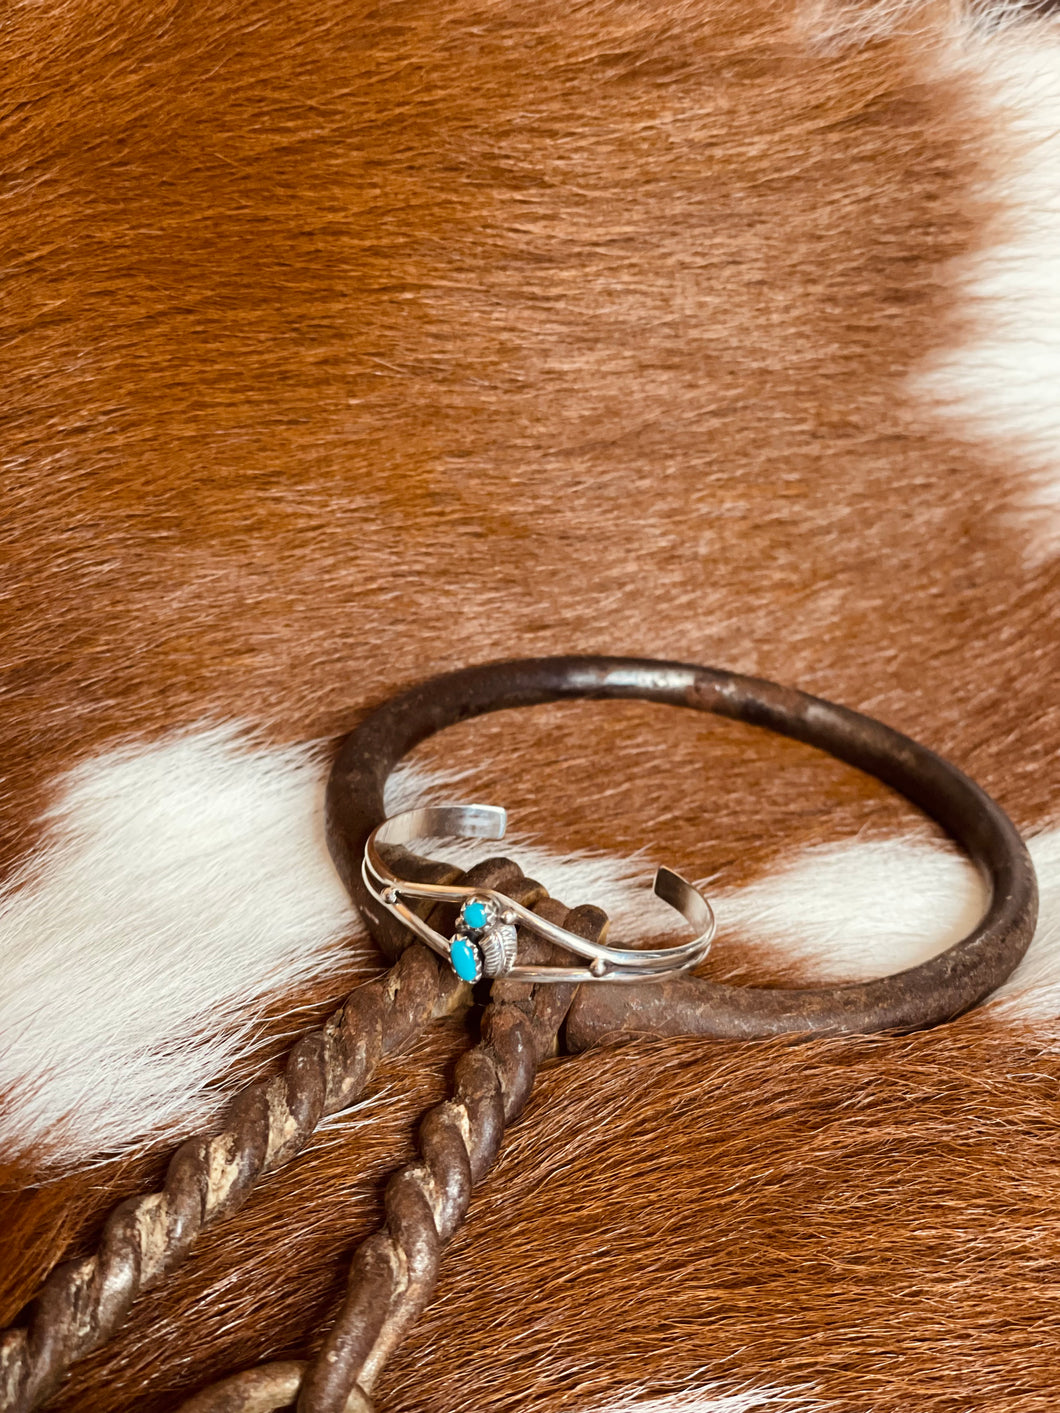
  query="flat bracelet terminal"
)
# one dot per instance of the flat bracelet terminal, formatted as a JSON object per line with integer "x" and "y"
{"x": 485, "y": 940}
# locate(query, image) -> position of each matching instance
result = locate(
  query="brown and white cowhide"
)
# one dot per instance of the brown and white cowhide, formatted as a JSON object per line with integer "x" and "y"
{"x": 343, "y": 343}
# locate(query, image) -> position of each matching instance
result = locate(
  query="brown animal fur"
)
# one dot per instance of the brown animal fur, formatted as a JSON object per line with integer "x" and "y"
{"x": 343, "y": 344}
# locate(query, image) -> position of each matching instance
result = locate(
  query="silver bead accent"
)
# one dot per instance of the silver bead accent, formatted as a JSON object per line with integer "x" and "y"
{"x": 510, "y": 916}
{"x": 390, "y": 896}
{"x": 598, "y": 966}
{"x": 498, "y": 948}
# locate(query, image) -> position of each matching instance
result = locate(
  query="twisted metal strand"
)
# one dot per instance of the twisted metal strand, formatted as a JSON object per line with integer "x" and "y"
{"x": 395, "y": 1270}
{"x": 83, "y": 1302}
{"x": 263, "y": 1389}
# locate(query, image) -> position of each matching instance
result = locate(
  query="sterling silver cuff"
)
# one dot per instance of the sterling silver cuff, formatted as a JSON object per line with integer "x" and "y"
{"x": 485, "y": 942}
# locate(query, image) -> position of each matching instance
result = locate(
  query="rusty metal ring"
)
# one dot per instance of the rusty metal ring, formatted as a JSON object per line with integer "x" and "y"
{"x": 925, "y": 995}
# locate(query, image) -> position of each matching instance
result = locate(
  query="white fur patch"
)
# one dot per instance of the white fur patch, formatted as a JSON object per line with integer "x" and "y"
{"x": 860, "y": 909}
{"x": 868, "y": 909}
{"x": 1002, "y": 385}
{"x": 187, "y": 886}
{"x": 705, "y": 1400}
{"x": 1032, "y": 992}
{"x": 187, "y": 881}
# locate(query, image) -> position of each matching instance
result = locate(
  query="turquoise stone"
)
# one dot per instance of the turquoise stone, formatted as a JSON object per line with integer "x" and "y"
{"x": 465, "y": 959}
{"x": 475, "y": 914}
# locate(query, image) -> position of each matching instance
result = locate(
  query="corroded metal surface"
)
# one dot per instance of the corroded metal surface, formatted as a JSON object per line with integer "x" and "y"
{"x": 940, "y": 988}
{"x": 394, "y": 1271}
{"x": 83, "y": 1302}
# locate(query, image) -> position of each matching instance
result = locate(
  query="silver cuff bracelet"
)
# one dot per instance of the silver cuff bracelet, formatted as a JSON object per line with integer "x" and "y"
{"x": 485, "y": 941}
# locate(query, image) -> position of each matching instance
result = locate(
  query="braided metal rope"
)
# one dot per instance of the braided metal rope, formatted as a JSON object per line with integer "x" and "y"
{"x": 83, "y": 1302}
{"x": 394, "y": 1271}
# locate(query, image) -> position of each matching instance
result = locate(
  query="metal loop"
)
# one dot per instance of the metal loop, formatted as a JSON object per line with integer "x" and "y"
{"x": 938, "y": 989}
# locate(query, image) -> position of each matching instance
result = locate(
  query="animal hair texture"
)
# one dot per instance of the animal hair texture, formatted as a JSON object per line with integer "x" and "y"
{"x": 347, "y": 343}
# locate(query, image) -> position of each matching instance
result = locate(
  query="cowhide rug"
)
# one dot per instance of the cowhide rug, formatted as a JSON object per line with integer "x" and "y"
{"x": 344, "y": 343}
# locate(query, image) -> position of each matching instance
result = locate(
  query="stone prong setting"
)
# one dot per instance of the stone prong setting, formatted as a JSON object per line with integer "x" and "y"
{"x": 477, "y": 915}
{"x": 485, "y": 942}
{"x": 465, "y": 957}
